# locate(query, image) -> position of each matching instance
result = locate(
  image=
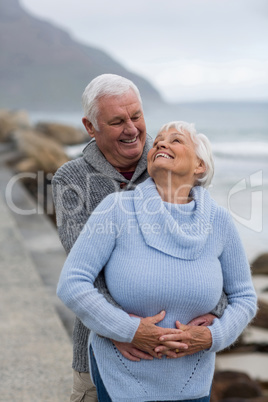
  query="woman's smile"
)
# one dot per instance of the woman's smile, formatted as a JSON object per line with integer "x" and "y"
{"x": 163, "y": 155}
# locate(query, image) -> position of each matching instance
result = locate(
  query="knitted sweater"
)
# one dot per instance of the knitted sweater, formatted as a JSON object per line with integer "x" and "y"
{"x": 78, "y": 187}
{"x": 157, "y": 256}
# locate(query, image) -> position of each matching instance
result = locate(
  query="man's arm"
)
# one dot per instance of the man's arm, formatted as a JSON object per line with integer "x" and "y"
{"x": 217, "y": 312}
{"x": 72, "y": 214}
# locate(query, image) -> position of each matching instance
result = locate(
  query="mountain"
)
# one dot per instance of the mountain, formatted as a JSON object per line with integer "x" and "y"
{"x": 43, "y": 68}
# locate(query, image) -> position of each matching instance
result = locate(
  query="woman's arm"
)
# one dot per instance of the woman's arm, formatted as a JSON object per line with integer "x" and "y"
{"x": 86, "y": 259}
{"x": 89, "y": 254}
{"x": 237, "y": 283}
{"x": 242, "y": 303}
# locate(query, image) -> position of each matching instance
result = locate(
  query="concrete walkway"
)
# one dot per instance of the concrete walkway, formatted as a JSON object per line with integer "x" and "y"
{"x": 35, "y": 348}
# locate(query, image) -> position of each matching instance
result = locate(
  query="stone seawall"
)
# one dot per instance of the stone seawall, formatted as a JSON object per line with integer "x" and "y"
{"x": 35, "y": 348}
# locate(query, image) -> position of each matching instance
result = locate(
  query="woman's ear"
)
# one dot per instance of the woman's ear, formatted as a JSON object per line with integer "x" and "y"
{"x": 201, "y": 167}
{"x": 89, "y": 127}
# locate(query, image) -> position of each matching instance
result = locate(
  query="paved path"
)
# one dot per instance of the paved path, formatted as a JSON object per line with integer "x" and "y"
{"x": 35, "y": 348}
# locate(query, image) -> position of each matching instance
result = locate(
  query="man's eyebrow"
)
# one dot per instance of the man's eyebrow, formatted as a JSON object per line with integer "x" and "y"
{"x": 120, "y": 117}
{"x": 114, "y": 118}
{"x": 137, "y": 112}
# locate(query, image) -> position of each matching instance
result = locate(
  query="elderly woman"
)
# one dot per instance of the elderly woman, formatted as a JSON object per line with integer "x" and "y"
{"x": 167, "y": 247}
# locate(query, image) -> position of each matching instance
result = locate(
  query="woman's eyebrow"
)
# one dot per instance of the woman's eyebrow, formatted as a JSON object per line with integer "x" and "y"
{"x": 176, "y": 134}
{"x": 158, "y": 137}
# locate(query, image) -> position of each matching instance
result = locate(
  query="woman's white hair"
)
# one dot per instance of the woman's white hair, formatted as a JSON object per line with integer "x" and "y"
{"x": 202, "y": 148}
{"x": 104, "y": 85}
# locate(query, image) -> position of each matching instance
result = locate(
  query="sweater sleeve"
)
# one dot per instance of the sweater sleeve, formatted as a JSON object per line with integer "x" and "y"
{"x": 237, "y": 283}
{"x": 71, "y": 213}
{"x": 89, "y": 254}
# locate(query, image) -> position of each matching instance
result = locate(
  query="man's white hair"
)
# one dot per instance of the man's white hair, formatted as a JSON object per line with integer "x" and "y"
{"x": 104, "y": 85}
{"x": 202, "y": 148}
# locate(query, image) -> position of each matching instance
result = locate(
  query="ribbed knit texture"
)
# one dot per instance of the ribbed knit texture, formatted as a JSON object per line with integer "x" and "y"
{"x": 158, "y": 256}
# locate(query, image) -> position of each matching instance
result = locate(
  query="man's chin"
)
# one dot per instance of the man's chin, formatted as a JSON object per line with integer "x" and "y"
{"x": 133, "y": 154}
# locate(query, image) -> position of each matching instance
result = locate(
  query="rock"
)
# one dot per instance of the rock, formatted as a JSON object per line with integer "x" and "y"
{"x": 260, "y": 265}
{"x": 64, "y": 134}
{"x": 27, "y": 165}
{"x": 257, "y": 399}
{"x": 12, "y": 120}
{"x": 233, "y": 385}
{"x": 243, "y": 389}
{"x": 42, "y": 153}
{"x": 261, "y": 319}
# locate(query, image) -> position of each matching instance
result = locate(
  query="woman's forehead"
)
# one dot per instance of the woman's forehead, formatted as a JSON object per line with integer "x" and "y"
{"x": 172, "y": 132}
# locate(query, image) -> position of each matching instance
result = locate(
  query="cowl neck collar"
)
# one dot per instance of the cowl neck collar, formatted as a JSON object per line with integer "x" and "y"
{"x": 179, "y": 230}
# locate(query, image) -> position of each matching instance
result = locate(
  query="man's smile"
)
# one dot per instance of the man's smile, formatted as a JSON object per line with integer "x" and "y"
{"x": 129, "y": 141}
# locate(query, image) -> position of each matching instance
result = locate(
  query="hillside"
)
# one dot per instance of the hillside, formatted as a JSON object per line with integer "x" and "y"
{"x": 43, "y": 68}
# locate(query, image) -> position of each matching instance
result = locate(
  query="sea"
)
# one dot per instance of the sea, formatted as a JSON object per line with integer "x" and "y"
{"x": 238, "y": 132}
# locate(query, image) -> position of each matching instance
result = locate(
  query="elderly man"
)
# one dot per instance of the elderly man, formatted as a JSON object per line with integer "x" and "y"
{"x": 114, "y": 160}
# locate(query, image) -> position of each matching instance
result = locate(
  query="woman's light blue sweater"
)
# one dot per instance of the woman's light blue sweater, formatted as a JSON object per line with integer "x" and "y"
{"x": 158, "y": 256}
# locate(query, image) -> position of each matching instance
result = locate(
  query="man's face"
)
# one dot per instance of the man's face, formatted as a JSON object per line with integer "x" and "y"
{"x": 122, "y": 132}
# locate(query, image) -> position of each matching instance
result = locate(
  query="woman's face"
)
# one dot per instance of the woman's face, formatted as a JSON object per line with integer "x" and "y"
{"x": 174, "y": 152}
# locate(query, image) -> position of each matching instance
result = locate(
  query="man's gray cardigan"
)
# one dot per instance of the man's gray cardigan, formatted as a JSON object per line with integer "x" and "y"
{"x": 78, "y": 187}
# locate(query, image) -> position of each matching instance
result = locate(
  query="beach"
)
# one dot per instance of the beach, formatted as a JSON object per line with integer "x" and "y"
{"x": 240, "y": 184}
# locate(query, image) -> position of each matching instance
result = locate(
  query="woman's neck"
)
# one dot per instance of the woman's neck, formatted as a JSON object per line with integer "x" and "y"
{"x": 174, "y": 191}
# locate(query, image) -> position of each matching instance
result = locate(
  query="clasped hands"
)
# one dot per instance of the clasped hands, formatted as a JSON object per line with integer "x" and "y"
{"x": 151, "y": 341}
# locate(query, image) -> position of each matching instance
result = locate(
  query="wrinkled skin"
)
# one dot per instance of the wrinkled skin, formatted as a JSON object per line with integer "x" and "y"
{"x": 152, "y": 341}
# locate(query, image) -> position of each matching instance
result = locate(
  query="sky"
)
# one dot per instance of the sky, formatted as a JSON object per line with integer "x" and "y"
{"x": 190, "y": 50}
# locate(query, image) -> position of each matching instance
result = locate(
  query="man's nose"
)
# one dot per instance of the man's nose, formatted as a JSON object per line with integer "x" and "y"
{"x": 130, "y": 127}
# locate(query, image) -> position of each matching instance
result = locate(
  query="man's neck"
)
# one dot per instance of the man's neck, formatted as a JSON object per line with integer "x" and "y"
{"x": 126, "y": 169}
{"x": 127, "y": 175}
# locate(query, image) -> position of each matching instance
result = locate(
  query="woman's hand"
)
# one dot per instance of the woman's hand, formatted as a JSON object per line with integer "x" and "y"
{"x": 197, "y": 338}
{"x": 146, "y": 343}
{"x": 145, "y": 339}
{"x": 148, "y": 334}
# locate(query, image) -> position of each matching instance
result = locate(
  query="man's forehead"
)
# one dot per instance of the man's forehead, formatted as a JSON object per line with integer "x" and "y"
{"x": 116, "y": 105}
{"x": 126, "y": 97}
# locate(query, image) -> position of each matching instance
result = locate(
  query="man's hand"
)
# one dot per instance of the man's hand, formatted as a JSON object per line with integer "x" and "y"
{"x": 197, "y": 338}
{"x": 148, "y": 334}
{"x": 130, "y": 352}
{"x": 205, "y": 320}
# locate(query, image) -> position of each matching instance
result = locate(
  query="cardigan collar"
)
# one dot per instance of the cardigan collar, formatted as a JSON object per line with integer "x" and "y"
{"x": 94, "y": 157}
{"x": 180, "y": 230}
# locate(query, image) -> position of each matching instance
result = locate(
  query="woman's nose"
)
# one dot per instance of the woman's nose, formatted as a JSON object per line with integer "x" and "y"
{"x": 161, "y": 144}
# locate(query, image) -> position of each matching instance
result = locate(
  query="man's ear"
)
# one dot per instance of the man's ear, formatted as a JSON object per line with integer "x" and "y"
{"x": 89, "y": 127}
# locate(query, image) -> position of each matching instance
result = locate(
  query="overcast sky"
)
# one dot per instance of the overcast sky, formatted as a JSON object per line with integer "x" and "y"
{"x": 188, "y": 49}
